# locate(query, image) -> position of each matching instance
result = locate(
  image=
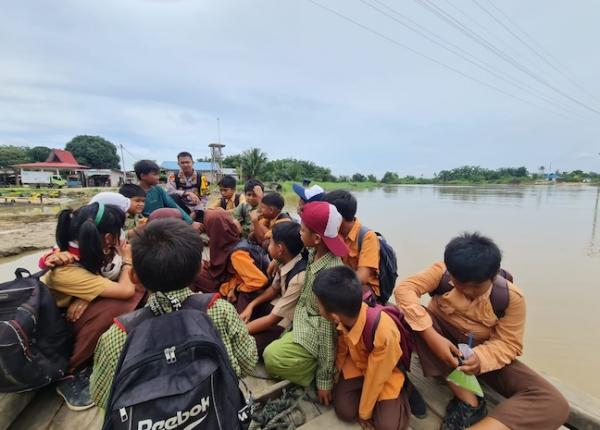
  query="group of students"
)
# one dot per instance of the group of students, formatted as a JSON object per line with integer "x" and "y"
{"x": 292, "y": 295}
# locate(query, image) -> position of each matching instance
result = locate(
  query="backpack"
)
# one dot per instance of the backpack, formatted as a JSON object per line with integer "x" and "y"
{"x": 35, "y": 340}
{"x": 236, "y": 201}
{"x": 374, "y": 311}
{"x": 258, "y": 254}
{"x": 174, "y": 373}
{"x": 499, "y": 296}
{"x": 388, "y": 265}
{"x": 299, "y": 267}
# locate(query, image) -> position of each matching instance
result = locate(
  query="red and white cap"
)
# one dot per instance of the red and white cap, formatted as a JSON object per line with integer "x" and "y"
{"x": 324, "y": 219}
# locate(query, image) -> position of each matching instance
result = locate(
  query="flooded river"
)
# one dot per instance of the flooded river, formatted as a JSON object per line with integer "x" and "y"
{"x": 551, "y": 243}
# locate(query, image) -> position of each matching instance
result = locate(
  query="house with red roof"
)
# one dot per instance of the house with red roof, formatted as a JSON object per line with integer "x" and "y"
{"x": 59, "y": 159}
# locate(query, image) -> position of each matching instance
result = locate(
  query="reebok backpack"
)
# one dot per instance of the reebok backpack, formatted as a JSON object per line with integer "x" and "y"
{"x": 174, "y": 373}
{"x": 35, "y": 340}
{"x": 388, "y": 265}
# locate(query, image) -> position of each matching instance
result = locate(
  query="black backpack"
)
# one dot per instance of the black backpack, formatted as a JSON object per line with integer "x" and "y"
{"x": 35, "y": 340}
{"x": 388, "y": 266}
{"x": 236, "y": 201}
{"x": 174, "y": 373}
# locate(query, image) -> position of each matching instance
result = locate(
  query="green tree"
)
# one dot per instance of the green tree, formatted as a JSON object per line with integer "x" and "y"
{"x": 390, "y": 178}
{"x": 254, "y": 163}
{"x": 232, "y": 161}
{"x": 371, "y": 178}
{"x": 10, "y": 155}
{"x": 94, "y": 151}
{"x": 359, "y": 177}
{"x": 39, "y": 153}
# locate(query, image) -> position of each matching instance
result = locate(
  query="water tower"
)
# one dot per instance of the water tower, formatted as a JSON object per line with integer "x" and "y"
{"x": 216, "y": 158}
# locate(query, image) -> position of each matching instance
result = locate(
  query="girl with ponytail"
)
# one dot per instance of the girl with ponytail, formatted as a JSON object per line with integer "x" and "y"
{"x": 93, "y": 288}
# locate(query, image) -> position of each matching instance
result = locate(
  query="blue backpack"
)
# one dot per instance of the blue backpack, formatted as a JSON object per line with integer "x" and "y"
{"x": 388, "y": 266}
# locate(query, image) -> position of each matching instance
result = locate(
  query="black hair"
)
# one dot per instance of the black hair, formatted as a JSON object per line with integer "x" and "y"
{"x": 132, "y": 190}
{"x": 288, "y": 234}
{"x": 227, "y": 181}
{"x": 339, "y": 291}
{"x": 184, "y": 154}
{"x": 251, "y": 183}
{"x": 80, "y": 226}
{"x": 344, "y": 202}
{"x": 167, "y": 254}
{"x": 472, "y": 257}
{"x": 143, "y": 167}
{"x": 274, "y": 200}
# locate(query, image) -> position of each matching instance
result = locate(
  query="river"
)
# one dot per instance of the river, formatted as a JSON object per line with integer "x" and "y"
{"x": 551, "y": 243}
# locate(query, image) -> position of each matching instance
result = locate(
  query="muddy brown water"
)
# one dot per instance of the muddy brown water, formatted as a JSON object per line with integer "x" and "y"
{"x": 550, "y": 239}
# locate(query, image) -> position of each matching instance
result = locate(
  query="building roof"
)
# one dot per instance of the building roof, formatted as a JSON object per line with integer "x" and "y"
{"x": 58, "y": 159}
{"x": 203, "y": 166}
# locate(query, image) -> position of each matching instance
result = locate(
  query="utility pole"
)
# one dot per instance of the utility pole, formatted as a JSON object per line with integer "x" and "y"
{"x": 123, "y": 165}
{"x": 218, "y": 130}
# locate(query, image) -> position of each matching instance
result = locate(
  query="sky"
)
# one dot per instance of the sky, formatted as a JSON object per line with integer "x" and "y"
{"x": 352, "y": 92}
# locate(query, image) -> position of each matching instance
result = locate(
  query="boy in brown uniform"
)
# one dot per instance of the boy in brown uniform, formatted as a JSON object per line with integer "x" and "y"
{"x": 473, "y": 262}
{"x": 368, "y": 386}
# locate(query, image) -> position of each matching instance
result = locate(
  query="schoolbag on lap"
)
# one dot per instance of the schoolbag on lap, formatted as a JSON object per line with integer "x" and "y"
{"x": 388, "y": 265}
{"x": 35, "y": 339}
{"x": 174, "y": 373}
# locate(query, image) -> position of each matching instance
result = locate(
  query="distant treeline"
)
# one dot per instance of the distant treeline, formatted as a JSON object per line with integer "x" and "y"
{"x": 254, "y": 163}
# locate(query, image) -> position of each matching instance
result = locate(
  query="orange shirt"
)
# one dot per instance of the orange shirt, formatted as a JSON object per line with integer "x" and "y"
{"x": 502, "y": 338}
{"x": 269, "y": 223}
{"x": 383, "y": 380}
{"x": 367, "y": 257}
{"x": 247, "y": 277}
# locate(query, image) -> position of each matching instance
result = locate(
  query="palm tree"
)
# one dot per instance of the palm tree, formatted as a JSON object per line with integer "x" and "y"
{"x": 254, "y": 163}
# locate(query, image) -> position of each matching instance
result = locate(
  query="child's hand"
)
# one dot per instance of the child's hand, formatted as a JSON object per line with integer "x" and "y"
{"x": 231, "y": 296}
{"x": 246, "y": 314}
{"x": 76, "y": 309}
{"x": 259, "y": 192}
{"x": 272, "y": 269}
{"x": 471, "y": 366}
{"x": 254, "y": 215}
{"x": 366, "y": 424}
{"x": 63, "y": 258}
{"x": 125, "y": 251}
{"x": 443, "y": 349}
{"x": 325, "y": 397}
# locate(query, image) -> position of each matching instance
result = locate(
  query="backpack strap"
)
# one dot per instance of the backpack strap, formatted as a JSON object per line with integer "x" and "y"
{"x": 202, "y": 302}
{"x": 499, "y": 296}
{"x": 361, "y": 235}
{"x": 236, "y": 200}
{"x": 299, "y": 267}
{"x": 371, "y": 324}
{"x": 130, "y": 321}
{"x": 177, "y": 181}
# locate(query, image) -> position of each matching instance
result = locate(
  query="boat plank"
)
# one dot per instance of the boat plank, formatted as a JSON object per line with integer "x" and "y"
{"x": 40, "y": 412}
{"x": 11, "y": 405}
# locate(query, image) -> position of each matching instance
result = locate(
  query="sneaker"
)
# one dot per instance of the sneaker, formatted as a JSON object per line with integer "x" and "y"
{"x": 461, "y": 415}
{"x": 75, "y": 389}
{"x": 417, "y": 404}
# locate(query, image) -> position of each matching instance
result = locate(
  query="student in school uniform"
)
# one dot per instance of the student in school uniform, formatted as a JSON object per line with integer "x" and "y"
{"x": 307, "y": 351}
{"x": 254, "y": 191}
{"x": 369, "y": 387}
{"x": 363, "y": 259}
{"x": 477, "y": 301}
{"x": 270, "y": 212}
{"x": 230, "y": 198}
{"x": 264, "y": 321}
{"x": 167, "y": 275}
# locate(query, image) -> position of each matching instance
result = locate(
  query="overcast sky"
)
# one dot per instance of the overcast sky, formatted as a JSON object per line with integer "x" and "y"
{"x": 299, "y": 81}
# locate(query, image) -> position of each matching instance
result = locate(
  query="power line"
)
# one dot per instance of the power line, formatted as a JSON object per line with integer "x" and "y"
{"x": 458, "y": 51}
{"x": 433, "y": 60}
{"x": 445, "y": 16}
{"x": 555, "y": 65}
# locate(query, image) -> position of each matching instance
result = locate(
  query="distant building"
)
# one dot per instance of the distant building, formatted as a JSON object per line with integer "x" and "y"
{"x": 60, "y": 162}
{"x": 230, "y": 171}
{"x": 553, "y": 176}
{"x": 103, "y": 177}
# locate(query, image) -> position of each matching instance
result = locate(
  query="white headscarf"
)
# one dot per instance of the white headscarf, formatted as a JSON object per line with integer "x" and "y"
{"x": 109, "y": 198}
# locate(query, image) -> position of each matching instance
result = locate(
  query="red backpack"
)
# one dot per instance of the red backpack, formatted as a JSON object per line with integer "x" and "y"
{"x": 374, "y": 311}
